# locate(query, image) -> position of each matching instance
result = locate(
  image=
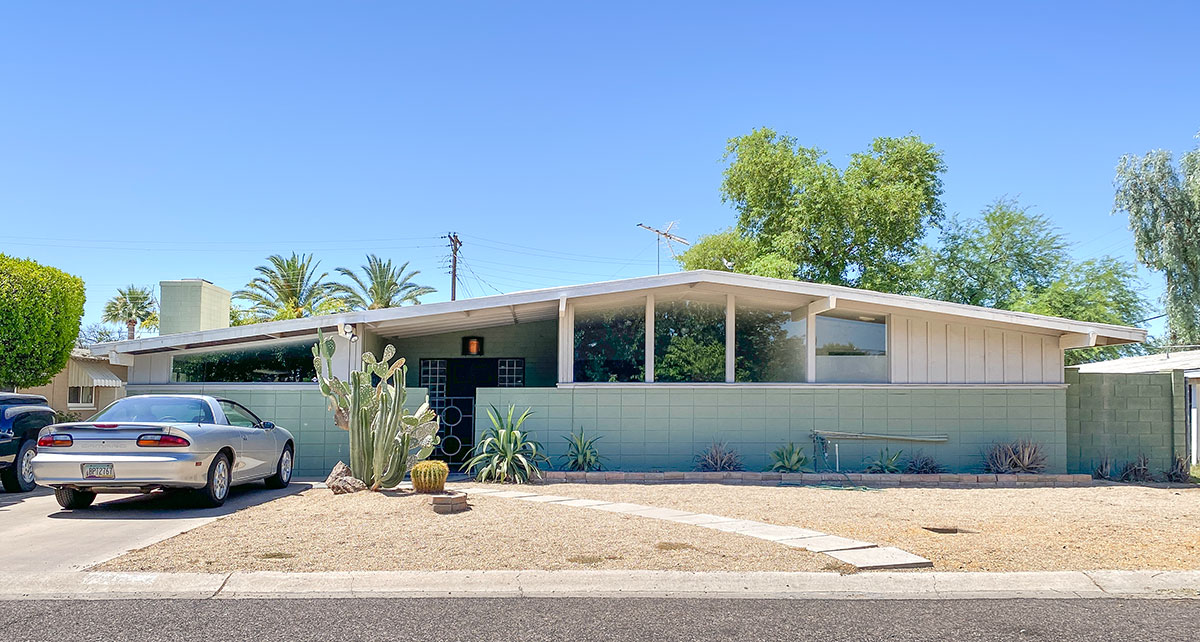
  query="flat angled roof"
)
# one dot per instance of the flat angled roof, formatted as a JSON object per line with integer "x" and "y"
{"x": 542, "y": 304}
{"x": 1186, "y": 360}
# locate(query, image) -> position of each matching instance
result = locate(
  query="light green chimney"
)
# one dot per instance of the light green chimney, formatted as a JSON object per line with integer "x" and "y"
{"x": 188, "y": 305}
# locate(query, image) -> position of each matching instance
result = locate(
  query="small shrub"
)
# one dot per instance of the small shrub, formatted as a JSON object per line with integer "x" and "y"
{"x": 887, "y": 462}
{"x": 1104, "y": 470}
{"x": 788, "y": 459}
{"x": 506, "y": 454}
{"x": 922, "y": 464}
{"x": 1137, "y": 470}
{"x": 429, "y": 476}
{"x": 1022, "y": 456}
{"x": 581, "y": 453}
{"x": 1180, "y": 472}
{"x": 65, "y": 417}
{"x": 718, "y": 457}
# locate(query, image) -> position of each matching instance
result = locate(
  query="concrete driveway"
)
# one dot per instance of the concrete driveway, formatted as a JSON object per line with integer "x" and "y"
{"x": 37, "y": 536}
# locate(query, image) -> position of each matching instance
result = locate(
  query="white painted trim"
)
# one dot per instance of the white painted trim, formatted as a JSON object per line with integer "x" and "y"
{"x": 1077, "y": 340}
{"x": 816, "y": 386}
{"x": 823, "y": 305}
{"x": 810, "y": 345}
{"x": 730, "y": 338}
{"x": 648, "y": 339}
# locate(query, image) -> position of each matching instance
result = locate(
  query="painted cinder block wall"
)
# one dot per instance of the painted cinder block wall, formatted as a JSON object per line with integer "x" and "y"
{"x": 300, "y": 408}
{"x": 653, "y": 429}
{"x": 1122, "y": 416}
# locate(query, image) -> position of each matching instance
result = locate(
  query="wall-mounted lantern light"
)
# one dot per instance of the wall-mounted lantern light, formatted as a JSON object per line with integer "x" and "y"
{"x": 472, "y": 346}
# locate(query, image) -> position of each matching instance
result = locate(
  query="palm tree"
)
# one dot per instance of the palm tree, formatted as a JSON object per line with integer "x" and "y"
{"x": 131, "y": 306}
{"x": 288, "y": 288}
{"x": 381, "y": 286}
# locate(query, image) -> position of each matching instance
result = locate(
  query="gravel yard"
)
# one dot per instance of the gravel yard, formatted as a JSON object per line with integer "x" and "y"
{"x": 1104, "y": 527}
{"x": 318, "y": 531}
{"x": 1026, "y": 529}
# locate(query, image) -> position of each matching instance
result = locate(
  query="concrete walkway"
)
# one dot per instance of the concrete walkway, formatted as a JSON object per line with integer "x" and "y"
{"x": 38, "y": 536}
{"x": 861, "y": 555}
{"x": 657, "y": 584}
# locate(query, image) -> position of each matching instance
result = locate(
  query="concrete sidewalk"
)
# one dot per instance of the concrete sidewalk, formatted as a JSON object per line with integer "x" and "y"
{"x": 656, "y": 584}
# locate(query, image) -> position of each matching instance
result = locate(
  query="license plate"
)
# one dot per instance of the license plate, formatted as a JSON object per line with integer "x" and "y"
{"x": 98, "y": 471}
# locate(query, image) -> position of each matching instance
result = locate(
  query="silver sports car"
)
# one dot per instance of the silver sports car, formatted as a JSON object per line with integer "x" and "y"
{"x": 152, "y": 442}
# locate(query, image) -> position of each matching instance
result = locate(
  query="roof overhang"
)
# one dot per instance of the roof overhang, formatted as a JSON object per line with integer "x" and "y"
{"x": 541, "y": 305}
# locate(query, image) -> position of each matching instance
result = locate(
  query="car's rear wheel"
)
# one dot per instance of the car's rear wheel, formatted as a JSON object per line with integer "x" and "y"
{"x": 18, "y": 478}
{"x": 219, "y": 476}
{"x": 283, "y": 470}
{"x": 72, "y": 499}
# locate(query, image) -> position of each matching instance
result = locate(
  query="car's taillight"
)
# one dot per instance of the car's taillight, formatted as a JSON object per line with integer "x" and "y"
{"x": 57, "y": 440}
{"x": 162, "y": 441}
{"x": 105, "y": 425}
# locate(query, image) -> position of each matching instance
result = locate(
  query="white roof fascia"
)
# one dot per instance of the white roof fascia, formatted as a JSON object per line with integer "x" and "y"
{"x": 841, "y": 294}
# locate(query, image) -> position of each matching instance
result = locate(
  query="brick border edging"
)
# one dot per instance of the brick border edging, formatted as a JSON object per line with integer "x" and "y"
{"x": 944, "y": 480}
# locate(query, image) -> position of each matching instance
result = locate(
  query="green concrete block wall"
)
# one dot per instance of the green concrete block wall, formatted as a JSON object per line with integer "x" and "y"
{"x": 648, "y": 429}
{"x": 1122, "y": 416}
{"x": 300, "y": 408}
{"x": 536, "y": 342}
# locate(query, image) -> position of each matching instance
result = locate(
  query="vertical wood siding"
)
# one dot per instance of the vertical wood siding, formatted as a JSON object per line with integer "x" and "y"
{"x": 932, "y": 351}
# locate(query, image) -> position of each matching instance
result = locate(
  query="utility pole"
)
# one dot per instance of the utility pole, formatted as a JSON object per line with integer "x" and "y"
{"x": 455, "y": 244}
{"x": 665, "y": 235}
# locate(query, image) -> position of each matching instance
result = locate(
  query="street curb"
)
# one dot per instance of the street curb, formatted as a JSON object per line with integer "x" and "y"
{"x": 648, "y": 584}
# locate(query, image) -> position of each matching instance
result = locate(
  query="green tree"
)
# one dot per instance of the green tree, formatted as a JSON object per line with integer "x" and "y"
{"x": 808, "y": 220}
{"x": 989, "y": 260}
{"x": 289, "y": 288}
{"x": 40, "y": 309}
{"x": 1163, "y": 205}
{"x": 382, "y": 285}
{"x": 131, "y": 306}
{"x": 97, "y": 333}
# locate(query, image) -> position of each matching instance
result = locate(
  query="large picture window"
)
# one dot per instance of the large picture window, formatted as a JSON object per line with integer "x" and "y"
{"x": 282, "y": 363}
{"x": 689, "y": 340}
{"x": 610, "y": 343}
{"x": 769, "y": 345}
{"x": 851, "y": 348}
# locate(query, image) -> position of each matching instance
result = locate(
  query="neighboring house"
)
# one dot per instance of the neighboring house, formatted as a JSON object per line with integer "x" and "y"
{"x": 660, "y": 366}
{"x": 87, "y": 384}
{"x": 1137, "y": 405}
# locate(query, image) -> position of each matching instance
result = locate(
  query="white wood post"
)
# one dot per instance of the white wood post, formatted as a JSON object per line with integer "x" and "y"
{"x": 730, "y": 336}
{"x": 649, "y": 325}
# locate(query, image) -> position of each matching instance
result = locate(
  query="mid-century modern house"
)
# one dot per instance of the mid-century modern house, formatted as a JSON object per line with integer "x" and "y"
{"x": 660, "y": 366}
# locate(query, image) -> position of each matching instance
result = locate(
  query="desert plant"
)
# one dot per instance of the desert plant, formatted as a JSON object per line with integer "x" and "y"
{"x": 385, "y": 440}
{"x": 581, "y": 453}
{"x": 1104, "y": 469}
{"x": 65, "y": 416}
{"x": 131, "y": 307}
{"x": 506, "y": 453}
{"x": 1137, "y": 470}
{"x": 718, "y": 457}
{"x": 788, "y": 459}
{"x": 1021, "y": 456}
{"x": 1180, "y": 471}
{"x": 887, "y": 462}
{"x": 923, "y": 464}
{"x": 429, "y": 476}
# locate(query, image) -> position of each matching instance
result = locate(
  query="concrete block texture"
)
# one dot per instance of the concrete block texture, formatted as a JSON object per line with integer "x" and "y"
{"x": 756, "y": 422}
{"x": 1122, "y": 416}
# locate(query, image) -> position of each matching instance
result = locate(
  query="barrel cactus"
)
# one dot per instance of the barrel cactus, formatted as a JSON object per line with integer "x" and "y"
{"x": 429, "y": 476}
{"x": 386, "y": 441}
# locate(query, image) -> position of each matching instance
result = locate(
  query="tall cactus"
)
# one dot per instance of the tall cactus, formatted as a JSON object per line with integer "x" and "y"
{"x": 385, "y": 440}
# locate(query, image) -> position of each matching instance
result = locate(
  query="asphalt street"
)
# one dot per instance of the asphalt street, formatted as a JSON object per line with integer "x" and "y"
{"x": 526, "y": 619}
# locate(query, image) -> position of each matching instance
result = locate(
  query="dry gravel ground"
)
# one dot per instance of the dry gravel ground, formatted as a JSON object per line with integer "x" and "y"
{"x": 318, "y": 531}
{"x": 1026, "y": 529}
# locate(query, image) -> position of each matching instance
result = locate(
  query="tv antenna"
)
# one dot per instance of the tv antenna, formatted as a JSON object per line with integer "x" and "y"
{"x": 665, "y": 235}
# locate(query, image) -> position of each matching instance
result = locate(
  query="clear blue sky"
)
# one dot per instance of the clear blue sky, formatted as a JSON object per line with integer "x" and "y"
{"x": 150, "y": 141}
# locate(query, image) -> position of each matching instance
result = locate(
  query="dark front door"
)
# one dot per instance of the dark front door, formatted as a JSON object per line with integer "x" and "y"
{"x": 463, "y": 377}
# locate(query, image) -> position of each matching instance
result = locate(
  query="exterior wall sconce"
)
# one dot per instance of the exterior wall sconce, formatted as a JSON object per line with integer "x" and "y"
{"x": 472, "y": 346}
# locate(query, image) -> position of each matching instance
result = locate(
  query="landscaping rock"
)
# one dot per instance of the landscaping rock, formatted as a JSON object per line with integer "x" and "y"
{"x": 345, "y": 485}
{"x": 339, "y": 471}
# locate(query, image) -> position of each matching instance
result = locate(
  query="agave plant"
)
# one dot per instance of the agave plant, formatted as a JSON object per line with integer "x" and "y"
{"x": 887, "y": 462}
{"x": 581, "y": 453}
{"x": 922, "y": 464}
{"x": 788, "y": 459}
{"x": 1137, "y": 470}
{"x": 1104, "y": 469}
{"x": 386, "y": 441}
{"x": 506, "y": 453}
{"x": 1180, "y": 471}
{"x": 1022, "y": 456}
{"x": 718, "y": 457}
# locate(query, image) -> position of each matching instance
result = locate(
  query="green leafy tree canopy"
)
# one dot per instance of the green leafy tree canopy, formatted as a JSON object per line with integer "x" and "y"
{"x": 1163, "y": 205}
{"x": 801, "y": 217}
{"x": 40, "y": 309}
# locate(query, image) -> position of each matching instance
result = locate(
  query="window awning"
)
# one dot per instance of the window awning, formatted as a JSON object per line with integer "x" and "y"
{"x": 91, "y": 373}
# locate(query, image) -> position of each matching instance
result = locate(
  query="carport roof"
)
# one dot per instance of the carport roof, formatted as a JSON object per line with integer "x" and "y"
{"x": 544, "y": 304}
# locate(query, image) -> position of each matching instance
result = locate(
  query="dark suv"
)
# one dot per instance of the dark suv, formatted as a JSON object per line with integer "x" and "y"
{"x": 21, "y": 418}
